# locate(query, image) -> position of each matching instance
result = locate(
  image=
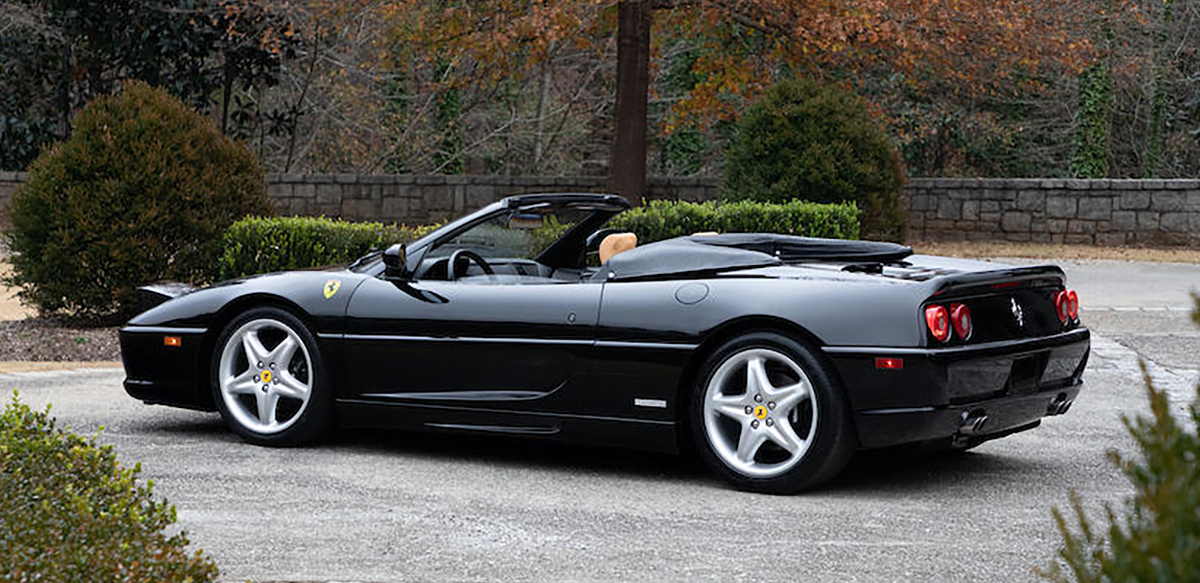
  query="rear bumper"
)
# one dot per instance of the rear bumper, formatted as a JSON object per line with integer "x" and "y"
{"x": 1000, "y": 416}
{"x": 942, "y": 393}
{"x": 165, "y": 375}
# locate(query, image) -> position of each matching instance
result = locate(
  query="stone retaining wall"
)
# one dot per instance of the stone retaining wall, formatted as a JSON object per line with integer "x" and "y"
{"x": 9, "y": 181}
{"x": 1091, "y": 212}
{"x": 1088, "y": 212}
{"x": 416, "y": 199}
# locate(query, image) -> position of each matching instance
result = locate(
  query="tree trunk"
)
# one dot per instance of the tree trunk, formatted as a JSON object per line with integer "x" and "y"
{"x": 627, "y": 162}
{"x": 1158, "y": 95}
{"x": 226, "y": 94}
{"x": 543, "y": 102}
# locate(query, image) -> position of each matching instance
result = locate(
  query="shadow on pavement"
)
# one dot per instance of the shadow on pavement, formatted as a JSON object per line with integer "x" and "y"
{"x": 874, "y": 472}
{"x": 517, "y": 453}
{"x": 909, "y": 472}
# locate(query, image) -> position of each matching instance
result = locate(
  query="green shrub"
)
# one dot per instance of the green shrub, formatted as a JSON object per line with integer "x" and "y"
{"x": 262, "y": 245}
{"x": 140, "y": 192}
{"x": 659, "y": 220}
{"x": 70, "y": 512}
{"x": 812, "y": 141}
{"x": 1157, "y": 536}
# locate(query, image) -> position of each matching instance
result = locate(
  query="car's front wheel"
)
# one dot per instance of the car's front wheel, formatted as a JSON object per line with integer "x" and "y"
{"x": 267, "y": 379}
{"x": 767, "y": 415}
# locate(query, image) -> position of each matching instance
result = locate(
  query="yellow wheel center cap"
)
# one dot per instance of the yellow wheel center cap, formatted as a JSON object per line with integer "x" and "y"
{"x": 266, "y": 376}
{"x": 760, "y": 412}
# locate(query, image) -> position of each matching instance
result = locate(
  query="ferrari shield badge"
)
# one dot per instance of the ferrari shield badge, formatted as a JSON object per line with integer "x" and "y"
{"x": 331, "y": 287}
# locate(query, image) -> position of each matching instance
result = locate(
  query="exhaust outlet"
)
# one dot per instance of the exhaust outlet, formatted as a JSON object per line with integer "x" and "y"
{"x": 1058, "y": 405}
{"x": 973, "y": 422}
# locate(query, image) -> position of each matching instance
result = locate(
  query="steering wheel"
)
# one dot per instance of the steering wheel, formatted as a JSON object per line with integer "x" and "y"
{"x": 452, "y": 265}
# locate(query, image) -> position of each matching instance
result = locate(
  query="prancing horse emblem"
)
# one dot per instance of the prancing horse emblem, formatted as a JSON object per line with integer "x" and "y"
{"x": 1018, "y": 312}
{"x": 331, "y": 287}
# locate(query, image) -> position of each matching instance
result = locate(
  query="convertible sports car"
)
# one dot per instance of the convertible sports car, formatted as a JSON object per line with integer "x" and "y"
{"x": 774, "y": 357}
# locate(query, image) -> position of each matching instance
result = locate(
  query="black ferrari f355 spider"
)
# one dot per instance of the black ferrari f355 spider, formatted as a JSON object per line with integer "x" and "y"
{"x": 774, "y": 357}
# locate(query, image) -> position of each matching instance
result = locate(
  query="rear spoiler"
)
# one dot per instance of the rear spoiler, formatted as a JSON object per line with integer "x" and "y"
{"x": 1000, "y": 279}
{"x": 149, "y": 296}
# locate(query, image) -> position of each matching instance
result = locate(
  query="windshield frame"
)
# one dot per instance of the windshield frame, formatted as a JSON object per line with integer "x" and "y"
{"x": 603, "y": 206}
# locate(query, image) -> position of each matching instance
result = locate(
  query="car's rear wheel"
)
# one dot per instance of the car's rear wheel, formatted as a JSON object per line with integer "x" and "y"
{"x": 767, "y": 415}
{"x": 267, "y": 379}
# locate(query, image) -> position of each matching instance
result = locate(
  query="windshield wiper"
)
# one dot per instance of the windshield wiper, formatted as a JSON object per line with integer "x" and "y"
{"x": 361, "y": 260}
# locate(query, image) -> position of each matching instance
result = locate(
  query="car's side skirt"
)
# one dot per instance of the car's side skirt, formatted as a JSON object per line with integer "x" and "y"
{"x": 642, "y": 434}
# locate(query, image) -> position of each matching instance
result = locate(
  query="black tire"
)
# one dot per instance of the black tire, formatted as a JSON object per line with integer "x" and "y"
{"x": 314, "y": 420}
{"x": 835, "y": 440}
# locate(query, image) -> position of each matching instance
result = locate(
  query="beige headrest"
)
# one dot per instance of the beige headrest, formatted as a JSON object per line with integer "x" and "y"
{"x": 705, "y": 234}
{"x": 616, "y": 243}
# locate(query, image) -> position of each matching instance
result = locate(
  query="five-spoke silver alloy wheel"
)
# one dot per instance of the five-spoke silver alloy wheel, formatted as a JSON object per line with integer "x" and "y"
{"x": 760, "y": 415}
{"x": 265, "y": 376}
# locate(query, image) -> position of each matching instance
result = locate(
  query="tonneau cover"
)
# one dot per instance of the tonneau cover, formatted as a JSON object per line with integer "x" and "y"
{"x": 792, "y": 248}
{"x": 700, "y": 254}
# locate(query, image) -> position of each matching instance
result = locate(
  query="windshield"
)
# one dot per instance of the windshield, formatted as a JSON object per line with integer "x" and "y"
{"x": 546, "y": 231}
{"x": 518, "y": 234}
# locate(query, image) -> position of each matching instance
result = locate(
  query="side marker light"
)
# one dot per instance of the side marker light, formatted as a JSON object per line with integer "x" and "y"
{"x": 889, "y": 363}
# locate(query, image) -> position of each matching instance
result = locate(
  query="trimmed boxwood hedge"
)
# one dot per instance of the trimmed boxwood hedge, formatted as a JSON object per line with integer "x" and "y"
{"x": 70, "y": 512}
{"x": 659, "y": 220}
{"x": 263, "y": 245}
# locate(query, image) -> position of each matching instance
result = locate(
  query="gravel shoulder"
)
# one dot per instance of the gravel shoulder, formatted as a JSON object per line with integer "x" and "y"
{"x": 47, "y": 340}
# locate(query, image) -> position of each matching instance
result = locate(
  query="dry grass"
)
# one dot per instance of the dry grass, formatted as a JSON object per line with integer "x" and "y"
{"x": 10, "y": 307}
{"x": 12, "y": 366}
{"x": 975, "y": 249}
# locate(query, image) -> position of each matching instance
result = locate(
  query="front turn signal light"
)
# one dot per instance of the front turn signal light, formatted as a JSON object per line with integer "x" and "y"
{"x": 172, "y": 341}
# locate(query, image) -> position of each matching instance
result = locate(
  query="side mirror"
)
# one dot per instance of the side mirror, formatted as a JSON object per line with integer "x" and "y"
{"x": 395, "y": 261}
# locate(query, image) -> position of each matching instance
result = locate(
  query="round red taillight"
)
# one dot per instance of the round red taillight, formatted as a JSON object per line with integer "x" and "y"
{"x": 960, "y": 318}
{"x": 1062, "y": 306}
{"x": 1073, "y": 304}
{"x": 938, "y": 320}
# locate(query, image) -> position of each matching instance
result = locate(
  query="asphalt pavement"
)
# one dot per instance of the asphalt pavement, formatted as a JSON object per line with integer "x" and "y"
{"x": 386, "y": 506}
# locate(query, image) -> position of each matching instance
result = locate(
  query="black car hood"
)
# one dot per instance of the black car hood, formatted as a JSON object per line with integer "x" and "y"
{"x": 701, "y": 254}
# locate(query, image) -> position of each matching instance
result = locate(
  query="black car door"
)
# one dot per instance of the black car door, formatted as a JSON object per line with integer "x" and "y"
{"x": 518, "y": 347}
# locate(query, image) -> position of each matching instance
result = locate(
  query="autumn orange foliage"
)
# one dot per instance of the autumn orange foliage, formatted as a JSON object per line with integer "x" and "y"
{"x": 975, "y": 46}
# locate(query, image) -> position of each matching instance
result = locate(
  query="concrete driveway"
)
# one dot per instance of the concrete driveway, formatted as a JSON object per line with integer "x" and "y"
{"x": 374, "y": 506}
